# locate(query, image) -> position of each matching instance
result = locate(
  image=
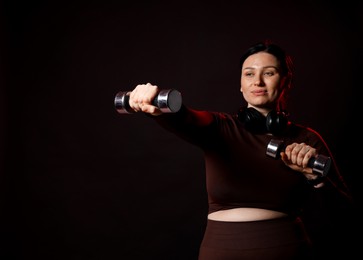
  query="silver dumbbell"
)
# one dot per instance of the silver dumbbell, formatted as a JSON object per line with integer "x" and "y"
{"x": 320, "y": 164}
{"x": 167, "y": 100}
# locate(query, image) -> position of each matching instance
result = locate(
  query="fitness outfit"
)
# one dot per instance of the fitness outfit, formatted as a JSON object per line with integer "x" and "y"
{"x": 239, "y": 174}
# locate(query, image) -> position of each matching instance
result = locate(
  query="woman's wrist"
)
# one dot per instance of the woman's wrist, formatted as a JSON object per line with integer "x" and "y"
{"x": 317, "y": 182}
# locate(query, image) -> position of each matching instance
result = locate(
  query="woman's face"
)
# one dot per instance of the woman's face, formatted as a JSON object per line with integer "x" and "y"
{"x": 261, "y": 80}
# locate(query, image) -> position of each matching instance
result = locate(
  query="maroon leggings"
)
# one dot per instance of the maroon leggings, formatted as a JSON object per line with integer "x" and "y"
{"x": 280, "y": 239}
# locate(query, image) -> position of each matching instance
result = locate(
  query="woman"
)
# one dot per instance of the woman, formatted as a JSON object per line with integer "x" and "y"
{"x": 256, "y": 203}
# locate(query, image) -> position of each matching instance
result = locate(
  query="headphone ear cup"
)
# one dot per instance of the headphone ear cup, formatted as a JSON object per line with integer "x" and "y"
{"x": 276, "y": 122}
{"x": 253, "y": 120}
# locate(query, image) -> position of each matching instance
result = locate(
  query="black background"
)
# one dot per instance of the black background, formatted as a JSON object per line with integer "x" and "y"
{"x": 80, "y": 181}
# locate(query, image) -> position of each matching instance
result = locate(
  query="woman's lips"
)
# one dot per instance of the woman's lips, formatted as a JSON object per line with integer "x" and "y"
{"x": 259, "y": 92}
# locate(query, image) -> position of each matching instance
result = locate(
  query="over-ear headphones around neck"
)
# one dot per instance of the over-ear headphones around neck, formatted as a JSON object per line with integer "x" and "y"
{"x": 275, "y": 122}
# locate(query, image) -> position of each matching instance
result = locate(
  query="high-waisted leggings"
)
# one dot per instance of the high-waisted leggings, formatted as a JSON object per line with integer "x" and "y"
{"x": 280, "y": 239}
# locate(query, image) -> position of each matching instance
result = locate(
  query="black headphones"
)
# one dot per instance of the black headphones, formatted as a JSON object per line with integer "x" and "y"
{"x": 275, "y": 122}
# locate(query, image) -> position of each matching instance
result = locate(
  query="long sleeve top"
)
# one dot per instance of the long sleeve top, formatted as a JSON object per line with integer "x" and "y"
{"x": 238, "y": 171}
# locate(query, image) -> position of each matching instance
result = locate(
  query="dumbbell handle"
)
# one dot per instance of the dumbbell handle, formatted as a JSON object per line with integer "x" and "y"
{"x": 167, "y": 100}
{"x": 320, "y": 164}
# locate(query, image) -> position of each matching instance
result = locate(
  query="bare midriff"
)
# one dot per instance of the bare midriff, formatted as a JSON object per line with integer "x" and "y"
{"x": 245, "y": 214}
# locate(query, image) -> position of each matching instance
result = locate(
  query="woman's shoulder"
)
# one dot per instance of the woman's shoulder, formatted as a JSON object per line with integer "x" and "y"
{"x": 304, "y": 131}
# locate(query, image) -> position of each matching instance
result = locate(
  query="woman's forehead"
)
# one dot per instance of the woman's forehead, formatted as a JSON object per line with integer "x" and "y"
{"x": 260, "y": 59}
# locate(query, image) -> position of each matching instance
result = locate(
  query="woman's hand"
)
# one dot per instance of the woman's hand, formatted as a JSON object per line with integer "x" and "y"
{"x": 141, "y": 99}
{"x": 297, "y": 156}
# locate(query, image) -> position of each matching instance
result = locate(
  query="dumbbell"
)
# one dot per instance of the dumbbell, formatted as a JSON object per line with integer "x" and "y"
{"x": 320, "y": 164}
{"x": 167, "y": 100}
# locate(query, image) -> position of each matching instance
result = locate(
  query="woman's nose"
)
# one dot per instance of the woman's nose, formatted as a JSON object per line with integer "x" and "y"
{"x": 258, "y": 81}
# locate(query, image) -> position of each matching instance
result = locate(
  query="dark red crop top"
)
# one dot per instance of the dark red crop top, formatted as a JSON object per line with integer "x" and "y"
{"x": 238, "y": 171}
